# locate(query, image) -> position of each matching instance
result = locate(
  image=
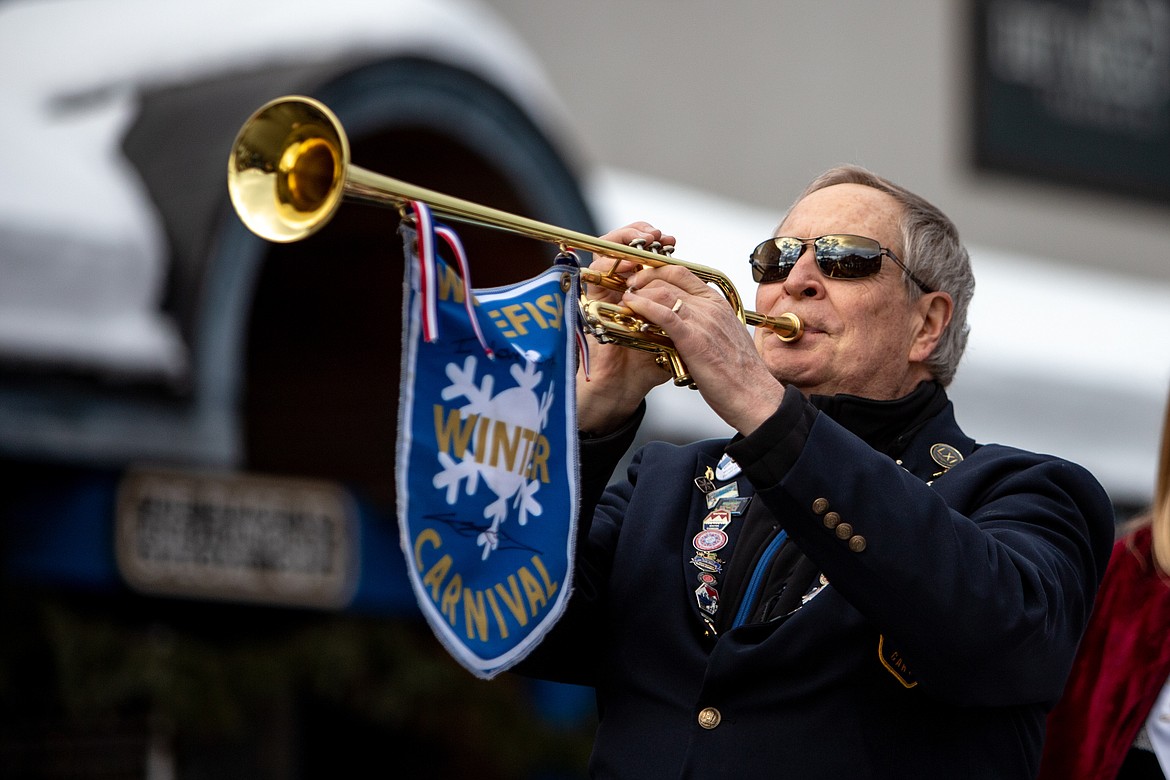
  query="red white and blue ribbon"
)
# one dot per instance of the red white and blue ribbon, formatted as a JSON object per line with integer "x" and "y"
{"x": 428, "y": 280}
{"x": 569, "y": 258}
{"x": 456, "y": 246}
{"x": 428, "y": 229}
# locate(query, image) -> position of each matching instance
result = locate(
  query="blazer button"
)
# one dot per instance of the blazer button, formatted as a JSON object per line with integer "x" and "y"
{"x": 857, "y": 543}
{"x": 832, "y": 520}
{"x": 844, "y": 531}
{"x": 820, "y": 505}
{"x": 709, "y": 718}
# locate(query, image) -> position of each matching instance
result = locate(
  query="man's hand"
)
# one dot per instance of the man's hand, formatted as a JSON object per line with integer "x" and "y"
{"x": 619, "y": 377}
{"x": 716, "y": 347}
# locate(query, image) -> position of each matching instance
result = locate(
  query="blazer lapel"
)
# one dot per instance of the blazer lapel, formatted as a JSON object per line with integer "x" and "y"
{"x": 715, "y": 514}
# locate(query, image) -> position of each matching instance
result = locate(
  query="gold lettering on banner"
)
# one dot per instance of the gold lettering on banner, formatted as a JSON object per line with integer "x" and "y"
{"x": 554, "y": 306}
{"x": 450, "y": 603}
{"x": 514, "y": 313}
{"x": 437, "y": 573}
{"x": 450, "y": 285}
{"x": 549, "y": 587}
{"x": 491, "y": 597}
{"x": 536, "y": 598}
{"x": 517, "y": 319}
{"x": 507, "y": 445}
{"x": 536, "y": 315}
{"x": 512, "y": 599}
{"x": 523, "y": 593}
{"x": 539, "y": 467}
{"x": 503, "y": 445}
{"x": 474, "y": 614}
{"x": 453, "y": 432}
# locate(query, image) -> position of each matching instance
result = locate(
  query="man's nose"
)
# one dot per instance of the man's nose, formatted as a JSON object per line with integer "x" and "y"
{"x": 805, "y": 280}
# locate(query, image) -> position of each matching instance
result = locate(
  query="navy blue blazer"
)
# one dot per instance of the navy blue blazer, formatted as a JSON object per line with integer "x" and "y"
{"x": 955, "y": 603}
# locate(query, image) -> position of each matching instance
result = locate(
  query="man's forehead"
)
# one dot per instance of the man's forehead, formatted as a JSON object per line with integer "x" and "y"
{"x": 845, "y": 208}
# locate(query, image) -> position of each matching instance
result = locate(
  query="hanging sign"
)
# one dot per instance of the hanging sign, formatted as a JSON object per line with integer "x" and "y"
{"x": 487, "y": 451}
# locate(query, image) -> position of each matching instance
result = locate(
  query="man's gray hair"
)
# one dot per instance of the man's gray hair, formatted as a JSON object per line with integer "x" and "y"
{"x": 931, "y": 249}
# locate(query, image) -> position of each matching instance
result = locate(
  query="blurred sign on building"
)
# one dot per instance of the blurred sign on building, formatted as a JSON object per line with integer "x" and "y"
{"x": 236, "y": 537}
{"x": 1075, "y": 91}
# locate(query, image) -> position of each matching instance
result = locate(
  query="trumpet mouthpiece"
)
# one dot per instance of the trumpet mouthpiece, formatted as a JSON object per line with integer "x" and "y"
{"x": 790, "y": 329}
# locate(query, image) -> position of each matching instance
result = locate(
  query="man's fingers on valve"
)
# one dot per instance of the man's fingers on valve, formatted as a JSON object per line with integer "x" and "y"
{"x": 655, "y": 242}
{"x": 673, "y": 276}
{"x": 659, "y": 293}
{"x": 642, "y": 232}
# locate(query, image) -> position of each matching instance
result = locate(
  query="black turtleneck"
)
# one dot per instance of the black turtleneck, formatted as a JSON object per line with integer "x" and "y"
{"x": 887, "y": 426}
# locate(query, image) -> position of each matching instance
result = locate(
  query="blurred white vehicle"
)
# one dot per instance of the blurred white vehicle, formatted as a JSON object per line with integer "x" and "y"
{"x": 127, "y": 301}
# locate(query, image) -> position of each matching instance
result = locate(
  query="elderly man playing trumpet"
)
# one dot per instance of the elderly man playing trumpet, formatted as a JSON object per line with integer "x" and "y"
{"x": 850, "y": 587}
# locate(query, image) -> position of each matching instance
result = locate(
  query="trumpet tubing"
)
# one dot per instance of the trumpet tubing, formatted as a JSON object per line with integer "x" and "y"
{"x": 290, "y": 171}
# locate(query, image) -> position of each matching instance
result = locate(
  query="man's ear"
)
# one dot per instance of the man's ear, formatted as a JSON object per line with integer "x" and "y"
{"x": 934, "y": 311}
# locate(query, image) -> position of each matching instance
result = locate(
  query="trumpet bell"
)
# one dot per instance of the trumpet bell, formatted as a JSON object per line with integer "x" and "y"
{"x": 287, "y": 172}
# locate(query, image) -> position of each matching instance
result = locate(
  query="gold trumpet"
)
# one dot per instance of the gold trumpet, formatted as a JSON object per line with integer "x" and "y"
{"x": 290, "y": 171}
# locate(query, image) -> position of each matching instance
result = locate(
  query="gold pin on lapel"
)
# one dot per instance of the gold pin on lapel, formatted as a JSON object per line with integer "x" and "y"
{"x": 946, "y": 456}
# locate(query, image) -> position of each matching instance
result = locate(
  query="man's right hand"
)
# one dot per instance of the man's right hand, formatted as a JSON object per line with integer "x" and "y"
{"x": 619, "y": 377}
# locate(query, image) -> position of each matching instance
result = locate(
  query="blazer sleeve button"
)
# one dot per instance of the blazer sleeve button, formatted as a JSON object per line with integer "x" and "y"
{"x": 857, "y": 543}
{"x": 844, "y": 531}
{"x": 820, "y": 505}
{"x": 832, "y": 520}
{"x": 709, "y": 718}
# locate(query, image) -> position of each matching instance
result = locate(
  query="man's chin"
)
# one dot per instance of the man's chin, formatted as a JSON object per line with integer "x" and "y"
{"x": 804, "y": 377}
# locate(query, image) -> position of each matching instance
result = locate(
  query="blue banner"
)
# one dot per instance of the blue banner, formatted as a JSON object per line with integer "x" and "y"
{"x": 487, "y": 455}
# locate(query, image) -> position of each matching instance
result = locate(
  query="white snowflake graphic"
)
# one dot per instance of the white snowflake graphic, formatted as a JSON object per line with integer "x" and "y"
{"x": 510, "y": 413}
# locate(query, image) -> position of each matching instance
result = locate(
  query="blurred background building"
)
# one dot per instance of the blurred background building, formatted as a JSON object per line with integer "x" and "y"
{"x": 201, "y": 573}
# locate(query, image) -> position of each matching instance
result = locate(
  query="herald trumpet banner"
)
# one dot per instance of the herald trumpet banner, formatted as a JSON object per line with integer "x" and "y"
{"x": 290, "y": 171}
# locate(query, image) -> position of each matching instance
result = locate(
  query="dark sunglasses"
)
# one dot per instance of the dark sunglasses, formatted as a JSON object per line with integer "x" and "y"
{"x": 838, "y": 256}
